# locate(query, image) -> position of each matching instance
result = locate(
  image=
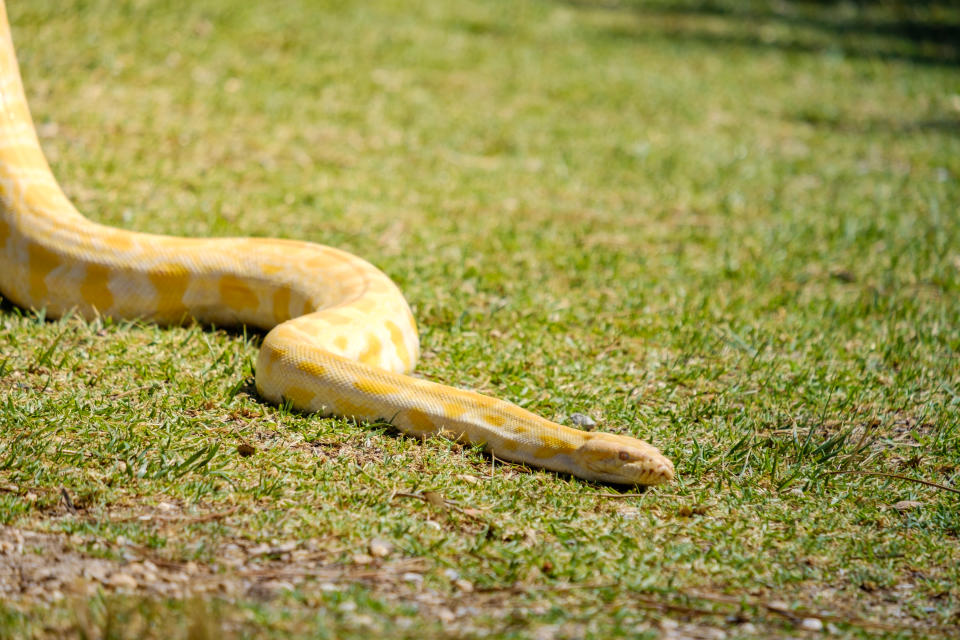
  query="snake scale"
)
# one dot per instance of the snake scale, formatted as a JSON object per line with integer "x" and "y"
{"x": 341, "y": 338}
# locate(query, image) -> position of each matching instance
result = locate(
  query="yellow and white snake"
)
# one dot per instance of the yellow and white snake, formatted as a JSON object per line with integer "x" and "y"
{"x": 341, "y": 340}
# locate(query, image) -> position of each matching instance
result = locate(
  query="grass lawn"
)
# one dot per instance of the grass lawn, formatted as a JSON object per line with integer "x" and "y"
{"x": 728, "y": 228}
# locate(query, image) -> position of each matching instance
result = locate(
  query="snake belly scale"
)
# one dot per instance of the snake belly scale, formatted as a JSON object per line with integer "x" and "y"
{"x": 341, "y": 338}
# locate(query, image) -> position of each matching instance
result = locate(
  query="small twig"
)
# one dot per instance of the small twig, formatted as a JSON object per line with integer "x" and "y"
{"x": 749, "y": 602}
{"x": 896, "y": 476}
{"x": 651, "y": 603}
{"x": 90, "y": 454}
{"x": 661, "y": 605}
{"x": 327, "y": 572}
{"x": 610, "y": 347}
{"x": 146, "y": 553}
{"x": 66, "y": 499}
{"x": 795, "y": 616}
{"x": 645, "y": 600}
{"x": 558, "y": 588}
{"x": 181, "y": 519}
{"x": 130, "y": 392}
{"x": 445, "y": 504}
{"x": 204, "y": 518}
{"x": 367, "y": 475}
{"x": 888, "y": 556}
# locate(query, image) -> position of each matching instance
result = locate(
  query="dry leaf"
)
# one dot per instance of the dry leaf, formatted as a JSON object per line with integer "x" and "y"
{"x": 435, "y": 499}
{"x": 907, "y": 505}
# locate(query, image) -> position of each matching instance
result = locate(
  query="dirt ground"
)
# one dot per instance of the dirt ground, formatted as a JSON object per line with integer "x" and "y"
{"x": 38, "y": 570}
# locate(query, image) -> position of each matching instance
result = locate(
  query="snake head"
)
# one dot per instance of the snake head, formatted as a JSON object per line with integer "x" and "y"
{"x": 623, "y": 460}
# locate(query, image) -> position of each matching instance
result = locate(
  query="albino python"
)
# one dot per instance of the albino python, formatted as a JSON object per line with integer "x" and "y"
{"x": 341, "y": 339}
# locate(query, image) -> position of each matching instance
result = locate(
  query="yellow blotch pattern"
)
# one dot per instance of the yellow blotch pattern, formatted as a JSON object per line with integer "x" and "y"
{"x": 517, "y": 412}
{"x": 472, "y": 397}
{"x": 371, "y": 355}
{"x": 170, "y": 282}
{"x": 117, "y": 241}
{"x": 281, "y": 304}
{"x": 311, "y": 368}
{"x": 332, "y": 317}
{"x": 369, "y": 385}
{"x": 271, "y": 269}
{"x": 550, "y": 446}
{"x": 420, "y": 421}
{"x": 453, "y": 409}
{"x": 494, "y": 419}
{"x": 235, "y": 294}
{"x": 351, "y": 409}
{"x": 4, "y": 232}
{"x": 45, "y": 197}
{"x": 396, "y": 336}
{"x": 42, "y": 262}
{"x": 299, "y": 396}
{"x": 95, "y": 288}
{"x": 365, "y": 305}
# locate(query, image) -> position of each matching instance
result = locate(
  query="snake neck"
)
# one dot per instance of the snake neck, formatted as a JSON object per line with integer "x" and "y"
{"x": 288, "y": 370}
{"x": 316, "y": 381}
{"x": 30, "y": 198}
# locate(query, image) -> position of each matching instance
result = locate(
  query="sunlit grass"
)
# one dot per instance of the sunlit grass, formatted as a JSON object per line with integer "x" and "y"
{"x": 729, "y": 229}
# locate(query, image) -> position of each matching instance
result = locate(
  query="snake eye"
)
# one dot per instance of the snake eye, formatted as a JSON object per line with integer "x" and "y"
{"x": 625, "y": 456}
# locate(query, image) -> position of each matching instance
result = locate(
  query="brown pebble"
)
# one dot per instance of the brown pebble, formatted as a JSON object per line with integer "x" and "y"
{"x": 380, "y": 548}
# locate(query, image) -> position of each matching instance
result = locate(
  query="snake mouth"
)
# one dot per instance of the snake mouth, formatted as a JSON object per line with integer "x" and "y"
{"x": 657, "y": 471}
{"x": 645, "y": 473}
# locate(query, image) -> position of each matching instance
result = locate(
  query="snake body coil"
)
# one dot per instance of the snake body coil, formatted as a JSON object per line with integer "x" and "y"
{"x": 341, "y": 337}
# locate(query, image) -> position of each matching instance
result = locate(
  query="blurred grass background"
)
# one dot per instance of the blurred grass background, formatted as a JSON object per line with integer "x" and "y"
{"x": 729, "y": 228}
